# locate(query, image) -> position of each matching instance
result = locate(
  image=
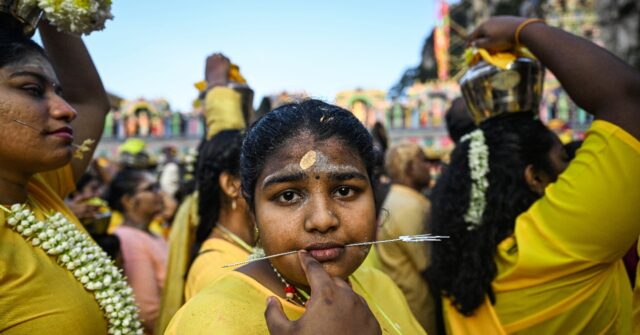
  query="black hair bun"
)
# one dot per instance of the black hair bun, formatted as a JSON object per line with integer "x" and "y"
{"x": 11, "y": 29}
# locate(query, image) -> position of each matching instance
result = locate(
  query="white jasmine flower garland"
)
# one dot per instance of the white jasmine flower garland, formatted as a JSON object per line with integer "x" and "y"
{"x": 74, "y": 16}
{"x": 88, "y": 263}
{"x": 479, "y": 169}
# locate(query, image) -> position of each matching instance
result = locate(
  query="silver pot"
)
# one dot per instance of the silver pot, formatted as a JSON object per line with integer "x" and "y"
{"x": 28, "y": 16}
{"x": 490, "y": 91}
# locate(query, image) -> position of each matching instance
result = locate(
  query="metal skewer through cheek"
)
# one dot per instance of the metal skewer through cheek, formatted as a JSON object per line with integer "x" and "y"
{"x": 408, "y": 238}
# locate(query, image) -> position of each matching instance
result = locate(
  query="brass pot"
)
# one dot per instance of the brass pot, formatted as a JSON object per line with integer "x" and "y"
{"x": 490, "y": 91}
{"x": 27, "y": 16}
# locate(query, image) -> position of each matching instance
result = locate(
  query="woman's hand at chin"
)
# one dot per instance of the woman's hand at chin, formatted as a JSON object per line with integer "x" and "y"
{"x": 325, "y": 311}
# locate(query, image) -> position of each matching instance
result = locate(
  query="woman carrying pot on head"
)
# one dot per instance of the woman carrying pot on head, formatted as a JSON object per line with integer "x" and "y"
{"x": 53, "y": 277}
{"x": 536, "y": 242}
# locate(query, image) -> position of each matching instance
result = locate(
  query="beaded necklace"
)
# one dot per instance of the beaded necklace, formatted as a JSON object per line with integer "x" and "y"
{"x": 292, "y": 293}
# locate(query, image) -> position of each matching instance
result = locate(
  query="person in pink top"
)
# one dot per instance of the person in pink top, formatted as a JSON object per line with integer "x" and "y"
{"x": 136, "y": 194}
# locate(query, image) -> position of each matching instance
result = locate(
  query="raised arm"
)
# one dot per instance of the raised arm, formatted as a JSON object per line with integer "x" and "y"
{"x": 596, "y": 80}
{"x": 82, "y": 88}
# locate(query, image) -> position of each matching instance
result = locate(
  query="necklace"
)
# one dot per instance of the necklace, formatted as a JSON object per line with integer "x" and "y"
{"x": 291, "y": 292}
{"x": 90, "y": 265}
{"x": 235, "y": 238}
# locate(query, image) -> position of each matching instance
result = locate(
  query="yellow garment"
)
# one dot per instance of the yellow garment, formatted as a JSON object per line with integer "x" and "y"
{"x": 37, "y": 296}
{"x": 636, "y": 300}
{"x": 234, "y": 76}
{"x": 235, "y": 304}
{"x": 405, "y": 262}
{"x": 484, "y": 318}
{"x": 561, "y": 272}
{"x": 501, "y": 60}
{"x": 133, "y": 146}
{"x": 223, "y": 110}
{"x": 180, "y": 240}
{"x": 372, "y": 260}
{"x": 208, "y": 266}
{"x": 117, "y": 218}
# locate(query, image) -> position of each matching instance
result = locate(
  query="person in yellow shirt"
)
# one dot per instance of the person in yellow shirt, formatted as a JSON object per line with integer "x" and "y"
{"x": 39, "y": 296}
{"x": 305, "y": 170}
{"x": 225, "y": 233}
{"x": 535, "y": 243}
{"x": 406, "y": 214}
{"x": 227, "y": 107}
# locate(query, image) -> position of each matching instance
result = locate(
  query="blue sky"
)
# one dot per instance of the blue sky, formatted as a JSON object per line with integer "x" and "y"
{"x": 157, "y": 48}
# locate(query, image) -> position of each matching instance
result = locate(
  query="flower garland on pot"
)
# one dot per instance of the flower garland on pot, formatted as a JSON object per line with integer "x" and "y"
{"x": 88, "y": 263}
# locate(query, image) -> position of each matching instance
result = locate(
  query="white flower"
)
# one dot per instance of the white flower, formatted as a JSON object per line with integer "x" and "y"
{"x": 479, "y": 169}
{"x": 80, "y": 17}
{"x": 76, "y": 252}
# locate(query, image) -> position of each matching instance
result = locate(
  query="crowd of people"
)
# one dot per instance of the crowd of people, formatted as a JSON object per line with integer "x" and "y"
{"x": 259, "y": 241}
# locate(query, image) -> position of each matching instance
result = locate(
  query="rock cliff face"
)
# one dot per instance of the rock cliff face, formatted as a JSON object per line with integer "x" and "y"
{"x": 614, "y": 23}
{"x": 619, "y": 22}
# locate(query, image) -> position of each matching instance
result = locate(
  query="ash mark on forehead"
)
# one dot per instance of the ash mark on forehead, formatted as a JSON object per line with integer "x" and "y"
{"x": 308, "y": 160}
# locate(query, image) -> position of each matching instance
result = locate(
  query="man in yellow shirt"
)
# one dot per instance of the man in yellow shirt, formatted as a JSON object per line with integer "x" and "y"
{"x": 406, "y": 213}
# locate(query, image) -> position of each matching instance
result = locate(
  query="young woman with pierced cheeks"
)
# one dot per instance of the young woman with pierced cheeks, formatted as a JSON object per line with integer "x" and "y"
{"x": 48, "y": 101}
{"x": 305, "y": 171}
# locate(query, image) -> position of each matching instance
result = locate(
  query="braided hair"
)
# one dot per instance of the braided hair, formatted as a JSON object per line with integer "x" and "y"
{"x": 463, "y": 266}
{"x": 219, "y": 154}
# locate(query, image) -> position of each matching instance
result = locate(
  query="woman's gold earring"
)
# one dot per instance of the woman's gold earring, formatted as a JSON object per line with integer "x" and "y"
{"x": 233, "y": 204}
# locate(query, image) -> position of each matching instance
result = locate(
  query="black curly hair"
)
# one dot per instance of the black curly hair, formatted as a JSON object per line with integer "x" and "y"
{"x": 463, "y": 266}
{"x": 321, "y": 119}
{"x": 219, "y": 154}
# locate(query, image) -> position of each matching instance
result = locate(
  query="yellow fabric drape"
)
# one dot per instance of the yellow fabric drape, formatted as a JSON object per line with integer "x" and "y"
{"x": 561, "y": 271}
{"x": 235, "y": 304}
{"x": 405, "y": 262}
{"x": 38, "y": 296}
{"x": 501, "y": 60}
{"x": 180, "y": 241}
{"x": 208, "y": 266}
{"x": 223, "y": 110}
